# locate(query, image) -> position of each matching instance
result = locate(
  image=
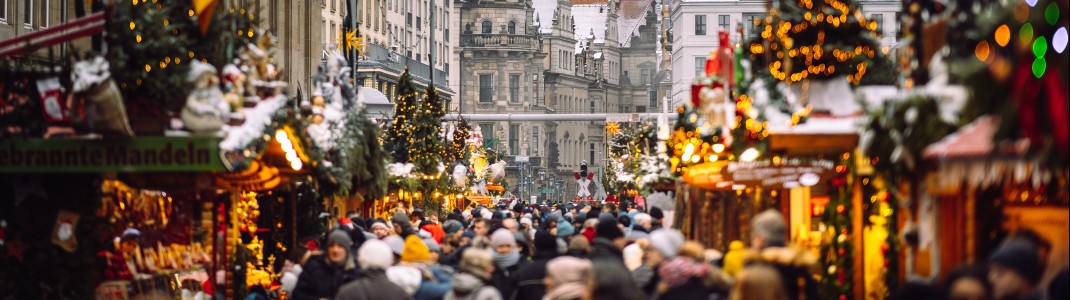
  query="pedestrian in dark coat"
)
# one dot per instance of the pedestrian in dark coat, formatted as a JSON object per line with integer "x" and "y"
{"x": 325, "y": 273}
{"x": 374, "y": 256}
{"x": 507, "y": 260}
{"x": 528, "y": 281}
{"x": 608, "y": 243}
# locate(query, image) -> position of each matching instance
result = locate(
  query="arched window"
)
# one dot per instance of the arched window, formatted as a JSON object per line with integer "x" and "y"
{"x": 512, "y": 27}
{"x": 486, "y": 27}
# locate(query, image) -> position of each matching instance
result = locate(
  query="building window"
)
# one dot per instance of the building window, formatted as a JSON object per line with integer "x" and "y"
{"x": 514, "y": 88}
{"x": 592, "y": 107}
{"x": 645, "y": 73}
{"x": 486, "y": 27}
{"x": 44, "y": 13}
{"x": 700, "y": 66}
{"x": 533, "y": 145}
{"x": 408, "y": 19}
{"x": 750, "y": 28}
{"x": 418, "y": 22}
{"x": 3, "y": 11}
{"x": 334, "y": 5}
{"x": 723, "y": 21}
{"x": 652, "y": 99}
{"x": 640, "y": 109}
{"x": 330, "y": 35}
{"x": 486, "y": 88}
{"x": 700, "y": 24}
{"x": 27, "y": 13}
{"x": 488, "y": 131}
{"x": 592, "y": 154}
{"x": 879, "y": 18}
{"x": 514, "y": 139}
{"x": 512, "y": 27}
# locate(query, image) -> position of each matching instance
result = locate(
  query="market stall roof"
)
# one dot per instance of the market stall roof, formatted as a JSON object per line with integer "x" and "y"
{"x": 378, "y": 105}
{"x": 972, "y": 141}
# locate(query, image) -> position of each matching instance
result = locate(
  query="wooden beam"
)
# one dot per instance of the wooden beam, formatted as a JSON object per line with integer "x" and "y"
{"x": 812, "y": 143}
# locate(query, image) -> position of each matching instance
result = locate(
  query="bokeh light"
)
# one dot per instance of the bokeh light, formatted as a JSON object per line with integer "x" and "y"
{"x": 1021, "y": 12}
{"x": 1003, "y": 35}
{"x": 1031, "y": 3}
{"x": 1026, "y": 33}
{"x": 1058, "y": 41}
{"x": 982, "y": 50}
{"x": 1040, "y": 47}
{"x": 1039, "y": 67}
{"x": 1051, "y": 13}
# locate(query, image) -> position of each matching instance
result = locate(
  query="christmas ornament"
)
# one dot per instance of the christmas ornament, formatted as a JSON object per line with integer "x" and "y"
{"x": 52, "y": 102}
{"x": 205, "y": 112}
{"x": 63, "y": 231}
{"x": 106, "y": 111}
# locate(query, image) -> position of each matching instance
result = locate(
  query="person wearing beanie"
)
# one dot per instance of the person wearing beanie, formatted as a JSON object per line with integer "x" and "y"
{"x": 374, "y": 257}
{"x": 402, "y": 225}
{"x": 664, "y": 245}
{"x": 324, "y": 274}
{"x": 589, "y": 230}
{"x": 733, "y": 260}
{"x": 642, "y": 222}
{"x": 397, "y": 246}
{"x": 658, "y": 217}
{"x": 452, "y": 228}
{"x": 608, "y": 243}
{"x": 380, "y": 229}
{"x": 528, "y": 281}
{"x": 1015, "y": 271}
{"x": 507, "y": 260}
{"x": 633, "y": 253}
{"x": 567, "y": 278}
{"x": 564, "y": 228}
{"x": 471, "y": 281}
{"x": 769, "y": 239}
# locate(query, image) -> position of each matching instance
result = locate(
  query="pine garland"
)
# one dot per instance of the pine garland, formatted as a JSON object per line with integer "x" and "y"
{"x": 837, "y": 251}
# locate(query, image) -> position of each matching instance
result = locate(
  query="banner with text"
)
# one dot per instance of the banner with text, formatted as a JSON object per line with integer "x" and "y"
{"x": 142, "y": 154}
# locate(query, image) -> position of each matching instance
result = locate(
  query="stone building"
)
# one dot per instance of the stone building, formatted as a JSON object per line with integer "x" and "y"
{"x": 550, "y": 57}
{"x": 25, "y": 17}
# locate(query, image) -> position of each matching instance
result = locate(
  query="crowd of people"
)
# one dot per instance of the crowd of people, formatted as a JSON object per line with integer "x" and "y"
{"x": 578, "y": 251}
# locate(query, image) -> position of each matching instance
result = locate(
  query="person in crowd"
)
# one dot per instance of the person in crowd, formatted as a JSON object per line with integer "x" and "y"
{"x": 374, "y": 257}
{"x": 436, "y": 278}
{"x": 481, "y": 227}
{"x": 402, "y": 225}
{"x": 968, "y": 283}
{"x": 588, "y": 229}
{"x": 452, "y": 229}
{"x": 608, "y": 243}
{"x": 567, "y": 278}
{"x": 1015, "y": 271}
{"x": 291, "y": 267}
{"x": 417, "y": 218}
{"x": 612, "y": 282}
{"x": 565, "y": 230}
{"x": 528, "y": 280}
{"x": 664, "y": 245}
{"x": 432, "y": 226}
{"x": 324, "y": 274}
{"x": 633, "y": 253}
{"x": 758, "y": 282}
{"x": 1059, "y": 286}
{"x": 688, "y": 275}
{"x": 795, "y": 265}
{"x": 380, "y": 229}
{"x": 642, "y": 222}
{"x": 473, "y": 277}
{"x": 528, "y": 227}
{"x": 507, "y": 260}
{"x": 511, "y": 225}
{"x": 578, "y": 247}
{"x": 733, "y": 260}
{"x": 658, "y": 216}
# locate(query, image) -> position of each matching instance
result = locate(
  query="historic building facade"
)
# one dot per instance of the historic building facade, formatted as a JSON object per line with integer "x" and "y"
{"x": 548, "y": 57}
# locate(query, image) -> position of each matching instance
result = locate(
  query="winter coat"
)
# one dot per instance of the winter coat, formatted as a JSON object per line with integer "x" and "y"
{"x": 527, "y": 281}
{"x": 502, "y": 278}
{"x": 435, "y": 285}
{"x": 693, "y": 289}
{"x": 469, "y": 287}
{"x": 321, "y": 279}
{"x": 603, "y": 250}
{"x": 647, "y": 279}
{"x": 795, "y": 266}
{"x": 589, "y": 234}
{"x": 372, "y": 286}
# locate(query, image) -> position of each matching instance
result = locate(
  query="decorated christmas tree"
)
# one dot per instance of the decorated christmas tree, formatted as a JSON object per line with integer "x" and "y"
{"x": 455, "y": 151}
{"x": 816, "y": 39}
{"x": 836, "y": 250}
{"x": 401, "y": 132}
{"x": 427, "y": 150}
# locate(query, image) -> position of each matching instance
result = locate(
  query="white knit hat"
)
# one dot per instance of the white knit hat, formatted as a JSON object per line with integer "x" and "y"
{"x": 375, "y": 254}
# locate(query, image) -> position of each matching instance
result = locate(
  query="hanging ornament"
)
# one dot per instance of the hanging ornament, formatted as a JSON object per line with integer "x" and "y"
{"x": 63, "y": 231}
{"x": 204, "y": 9}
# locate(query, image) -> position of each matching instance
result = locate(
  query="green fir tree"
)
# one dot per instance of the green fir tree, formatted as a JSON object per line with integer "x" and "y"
{"x": 400, "y": 134}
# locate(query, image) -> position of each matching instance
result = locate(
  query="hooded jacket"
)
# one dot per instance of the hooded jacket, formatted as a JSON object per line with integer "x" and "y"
{"x": 469, "y": 287}
{"x": 321, "y": 279}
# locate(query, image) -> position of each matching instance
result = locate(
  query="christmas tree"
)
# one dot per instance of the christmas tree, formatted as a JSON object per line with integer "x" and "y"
{"x": 400, "y": 134}
{"x": 816, "y": 39}
{"x": 427, "y": 150}
{"x": 836, "y": 251}
{"x": 455, "y": 152}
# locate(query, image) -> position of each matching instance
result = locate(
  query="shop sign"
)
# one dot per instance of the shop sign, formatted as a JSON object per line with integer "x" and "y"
{"x": 785, "y": 173}
{"x": 142, "y": 154}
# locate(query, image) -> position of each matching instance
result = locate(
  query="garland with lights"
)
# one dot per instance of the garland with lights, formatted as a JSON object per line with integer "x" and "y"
{"x": 428, "y": 151}
{"x": 836, "y": 249}
{"x": 879, "y": 209}
{"x": 360, "y": 157}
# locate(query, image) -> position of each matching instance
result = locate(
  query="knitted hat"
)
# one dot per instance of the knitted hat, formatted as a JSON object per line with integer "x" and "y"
{"x": 565, "y": 229}
{"x": 1021, "y": 257}
{"x": 432, "y": 245}
{"x": 568, "y": 269}
{"x": 339, "y": 237}
{"x": 526, "y": 221}
{"x": 397, "y": 245}
{"x": 378, "y": 224}
{"x": 468, "y": 234}
{"x": 545, "y": 242}
{"x": 608, "y": 229}
{"x": 667, "y": 241}
{"x": 487, "y": 215}
{"x": 375, "y": 254}
{"x": 451, "y": 226}
{"x": 415, "y": 250}
{"x": 502, "y": 237}
{"x": 636, "y": 235}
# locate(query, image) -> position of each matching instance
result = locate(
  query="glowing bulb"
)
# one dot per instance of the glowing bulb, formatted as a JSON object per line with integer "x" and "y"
{"x": 1058, "y": 41}
{"x": 688, "y": 151}
{"x": 132, "y": 25}
{"x": 695, "y": 158}
{"x": 718, "y": 148}
{"x": 981, "y": 51}
{"x": 749, "y": 155}
{"x": 1003, "y": 35}
{"x": 1031, "y": 3}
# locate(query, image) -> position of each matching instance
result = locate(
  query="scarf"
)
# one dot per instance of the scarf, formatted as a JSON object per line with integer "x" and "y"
{"x": 506, "y": 260}
{"x": 568, "y": 290}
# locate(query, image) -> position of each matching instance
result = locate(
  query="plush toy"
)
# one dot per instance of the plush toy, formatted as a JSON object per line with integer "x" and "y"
{"x": 205, "y": 111}
{"x": 105, "y": 109}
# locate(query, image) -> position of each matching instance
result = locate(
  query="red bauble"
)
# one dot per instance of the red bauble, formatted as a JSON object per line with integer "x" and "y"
{"x": 840, "y": 252}
{"x": 843, "y": 297}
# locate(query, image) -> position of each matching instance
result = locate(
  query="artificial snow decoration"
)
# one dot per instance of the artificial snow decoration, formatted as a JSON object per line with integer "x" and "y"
{"x": 400, "y": 169}
{"x": 205, "y": 112}
{"x": 106, "y": 111}
{"x": 256, "y": 120}
{"x": 460, "y": 177}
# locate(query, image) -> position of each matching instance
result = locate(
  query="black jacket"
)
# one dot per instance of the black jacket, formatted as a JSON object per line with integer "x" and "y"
{"x": 373, "y": 285}
{"x": 527, "y": 281}
{"x": 502, "y": 278}
{"x": 603, "y": 250}
{"x": 321, "y": 279}
{"x": 693, "y": 289}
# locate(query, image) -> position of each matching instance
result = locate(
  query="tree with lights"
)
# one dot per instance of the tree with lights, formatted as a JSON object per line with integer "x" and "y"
{"x": 816, "y": 39}
{"x": 836, "y": 250}
{"x": 455, "y": 151}
{"x": 400, "y": 134}
{"x": 427, "y": 151}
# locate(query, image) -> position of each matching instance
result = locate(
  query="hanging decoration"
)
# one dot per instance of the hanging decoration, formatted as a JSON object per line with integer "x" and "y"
{"x": 63, "y": 231}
